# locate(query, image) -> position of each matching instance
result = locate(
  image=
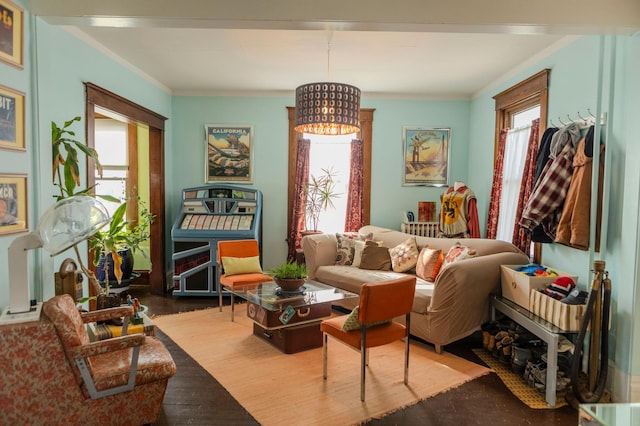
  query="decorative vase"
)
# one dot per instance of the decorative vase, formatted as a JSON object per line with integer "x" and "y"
{"x": 289, "y": 284}
{"x": 126, "y": 267}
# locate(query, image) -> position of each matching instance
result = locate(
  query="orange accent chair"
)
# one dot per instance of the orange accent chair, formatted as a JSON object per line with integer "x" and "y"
{"x": 53, "y": 374}
{"x": 379, "y": 302}
{"x": 238, "y": 249}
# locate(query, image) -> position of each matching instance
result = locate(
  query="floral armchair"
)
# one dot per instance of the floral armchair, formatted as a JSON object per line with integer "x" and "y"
{"x": 55, "y": 375}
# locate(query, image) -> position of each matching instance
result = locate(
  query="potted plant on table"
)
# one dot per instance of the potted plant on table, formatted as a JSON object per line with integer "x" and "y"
{"x": 318, "y": 196}
{"x": 289, "y": 276}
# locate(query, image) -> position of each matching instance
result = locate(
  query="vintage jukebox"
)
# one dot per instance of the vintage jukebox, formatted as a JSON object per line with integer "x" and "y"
{"x": 207, "y": 215}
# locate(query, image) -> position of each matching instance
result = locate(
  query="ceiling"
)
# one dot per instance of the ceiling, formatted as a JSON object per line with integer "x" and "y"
{"x": 452, "y": 50}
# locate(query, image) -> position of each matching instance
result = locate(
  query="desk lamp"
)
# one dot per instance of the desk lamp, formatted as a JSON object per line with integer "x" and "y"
{"x": 65, "y": 224}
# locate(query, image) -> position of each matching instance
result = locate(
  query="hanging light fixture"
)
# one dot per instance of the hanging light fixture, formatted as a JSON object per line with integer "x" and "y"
{"x": 327, "y": 108}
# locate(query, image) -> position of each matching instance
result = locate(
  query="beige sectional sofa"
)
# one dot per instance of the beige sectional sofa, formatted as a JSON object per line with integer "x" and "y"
{"x": 449, "y": 309}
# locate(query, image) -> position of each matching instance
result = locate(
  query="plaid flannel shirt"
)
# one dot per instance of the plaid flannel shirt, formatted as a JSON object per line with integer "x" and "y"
{"x": 551, "y": 189}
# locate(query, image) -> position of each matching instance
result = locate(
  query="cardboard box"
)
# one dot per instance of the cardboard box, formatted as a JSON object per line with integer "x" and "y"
{"x": 517, "y": 286}
{"x": 566, "y": 317}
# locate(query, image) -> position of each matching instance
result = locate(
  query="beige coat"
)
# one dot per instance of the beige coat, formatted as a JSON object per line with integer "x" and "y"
{"x": 574, "y": 227}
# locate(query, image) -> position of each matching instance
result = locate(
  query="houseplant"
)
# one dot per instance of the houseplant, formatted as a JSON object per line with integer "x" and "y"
{"x": 66, "y": 176}
{"x": 289, "y": 276}
{"x": 318, "y": 196}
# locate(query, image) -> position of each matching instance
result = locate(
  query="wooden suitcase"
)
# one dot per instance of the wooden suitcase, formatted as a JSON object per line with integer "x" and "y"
{"x": 296, "y": 338}
{"x": 287, "y": 315}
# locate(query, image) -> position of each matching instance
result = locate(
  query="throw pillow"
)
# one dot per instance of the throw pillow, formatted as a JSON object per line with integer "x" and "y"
{"x": 346, "y": 247}
{"x": 404, "y": 256}
{"x": 429, "y": 263}
{"x": 375, "y": 257}
{"x": 352, "y": 322}
{"x": 241, "y": 265}
{"x": 357, "y": 255}
{"x": 458, "y": 252}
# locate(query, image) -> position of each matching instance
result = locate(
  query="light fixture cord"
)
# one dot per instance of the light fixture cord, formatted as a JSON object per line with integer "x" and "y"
{"x": 329, "y": 61}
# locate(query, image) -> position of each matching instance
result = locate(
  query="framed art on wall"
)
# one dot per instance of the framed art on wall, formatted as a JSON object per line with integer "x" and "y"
{"x": 11, "y": 119}
{"x": 13, "y": 203}
{"x": 425, "y": 156}
{"x": 11, "y": 33}
{"x": 229, "y": 153}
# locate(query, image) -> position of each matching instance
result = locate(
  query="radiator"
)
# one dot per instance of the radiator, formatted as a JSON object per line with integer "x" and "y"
{"x": 422, "y": 229}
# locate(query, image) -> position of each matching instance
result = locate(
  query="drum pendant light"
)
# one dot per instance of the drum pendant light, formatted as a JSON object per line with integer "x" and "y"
{"x": 327, "y": 108}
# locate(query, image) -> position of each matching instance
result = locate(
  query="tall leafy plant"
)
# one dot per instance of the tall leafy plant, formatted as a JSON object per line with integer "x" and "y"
{"x": 319, "y": 194}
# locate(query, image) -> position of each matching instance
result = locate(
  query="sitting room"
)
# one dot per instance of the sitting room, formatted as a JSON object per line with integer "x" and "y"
{"x": 453, "y": 155}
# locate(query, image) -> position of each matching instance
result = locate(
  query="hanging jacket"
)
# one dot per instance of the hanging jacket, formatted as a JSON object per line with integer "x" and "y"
{"x": 547, "y": 198}
{"x": 574, "y": 226}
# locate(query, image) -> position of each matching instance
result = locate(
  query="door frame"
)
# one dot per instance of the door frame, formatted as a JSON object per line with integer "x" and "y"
{"x": 131, "y": 112}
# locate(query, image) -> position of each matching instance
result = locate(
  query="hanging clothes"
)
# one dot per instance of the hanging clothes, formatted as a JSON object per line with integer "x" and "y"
{"x": 574, "y": 225}
{"x": 538, "y": 235}
{"x": 459, "y": 213}
{"x": 545, "y": 204}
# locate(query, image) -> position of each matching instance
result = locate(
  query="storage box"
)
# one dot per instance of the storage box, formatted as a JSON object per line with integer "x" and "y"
{"x": 517, "y": 286}
{"x": 567, "y": 317}
{"x": 287, "y": 315}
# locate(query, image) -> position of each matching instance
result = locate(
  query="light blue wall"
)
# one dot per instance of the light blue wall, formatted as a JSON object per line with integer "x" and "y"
{"x": 269, "y": 118}
{"x": 57, "y": 64}
{"x": 574, "y": 87}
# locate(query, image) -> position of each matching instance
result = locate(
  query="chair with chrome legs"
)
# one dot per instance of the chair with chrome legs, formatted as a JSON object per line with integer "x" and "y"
{"x": 370, "y": 324}
{"x": 239, "y": 263}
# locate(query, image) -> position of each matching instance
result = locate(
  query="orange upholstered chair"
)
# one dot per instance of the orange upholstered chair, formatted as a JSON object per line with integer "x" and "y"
{"x": 242, "y": 266}
{"x": 379, "y": 304}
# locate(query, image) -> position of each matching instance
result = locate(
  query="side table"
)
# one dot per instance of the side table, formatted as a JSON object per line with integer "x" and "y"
{"x": 546, "y": 331}
{"x": 107, "y": 331}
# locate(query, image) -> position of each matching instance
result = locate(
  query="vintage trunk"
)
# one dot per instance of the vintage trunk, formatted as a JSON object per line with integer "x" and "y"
{"x": 289, "y": 340}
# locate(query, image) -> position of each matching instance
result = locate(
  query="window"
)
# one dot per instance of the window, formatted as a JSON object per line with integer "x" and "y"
{"x": 332, "y": 152}
{"x": 111, "y": 143}
{"x": 516, "y": 108}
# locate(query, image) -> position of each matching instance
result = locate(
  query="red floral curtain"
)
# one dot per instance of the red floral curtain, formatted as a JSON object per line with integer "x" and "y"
{"x": 353, "y": 216}
{"x": 521, "y": 237}
{"x": 301, "y": 179}
{"x": 496, "y": 188}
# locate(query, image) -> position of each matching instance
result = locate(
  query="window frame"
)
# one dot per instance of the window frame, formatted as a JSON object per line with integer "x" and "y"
{"x": 526, "y": 94}
{"x": 366, "y": 126}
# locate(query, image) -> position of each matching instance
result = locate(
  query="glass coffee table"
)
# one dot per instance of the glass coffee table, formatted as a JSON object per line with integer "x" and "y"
{"x": 290, "y": 320}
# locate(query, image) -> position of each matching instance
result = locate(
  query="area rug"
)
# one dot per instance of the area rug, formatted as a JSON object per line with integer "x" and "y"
{"x": 516, "y": 383}
{"x": 282, "y": 389}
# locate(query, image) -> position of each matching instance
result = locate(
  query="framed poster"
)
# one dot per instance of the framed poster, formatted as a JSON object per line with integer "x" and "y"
{"x": 11, "y": 33}
{"x": 425, "y": 156}
{"x": 229, "y": 154}
{"x": 13, "y": 203}
{"x": 11, "y": 119}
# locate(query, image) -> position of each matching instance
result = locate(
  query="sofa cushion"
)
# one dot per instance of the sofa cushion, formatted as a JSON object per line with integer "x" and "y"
{"x": 404, "y": 256}
{"x": 351, "y": 279}
{"x": 429, "y": 263}
{"x": 346, "y": 246}
{"x": 375, "y": 257}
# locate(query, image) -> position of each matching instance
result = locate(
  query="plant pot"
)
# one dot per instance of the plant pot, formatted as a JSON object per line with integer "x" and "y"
{"x": 126, "y": 267}
{"x": 290, "y": 284}
{"x": 105, "y": 301}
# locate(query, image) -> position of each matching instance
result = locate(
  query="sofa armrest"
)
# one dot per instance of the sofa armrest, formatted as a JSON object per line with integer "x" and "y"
{"x": 108, "y": 345}
{"x": 319, "y": 250}
{"x": 461, "y": 291}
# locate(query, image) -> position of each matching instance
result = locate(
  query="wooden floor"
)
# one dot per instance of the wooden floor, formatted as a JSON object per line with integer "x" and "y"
{"x": 195, "y": 398}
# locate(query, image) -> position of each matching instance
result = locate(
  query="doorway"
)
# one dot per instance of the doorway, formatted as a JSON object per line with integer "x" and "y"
{"x": 102, "y": 103}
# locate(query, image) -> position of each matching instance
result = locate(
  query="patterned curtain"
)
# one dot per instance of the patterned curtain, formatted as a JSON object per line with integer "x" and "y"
{"x": 521, "y": 237}
{"x": 301, "y": 179}
{"x": 353, "y": 216}
{"x": 496, "y": 188}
